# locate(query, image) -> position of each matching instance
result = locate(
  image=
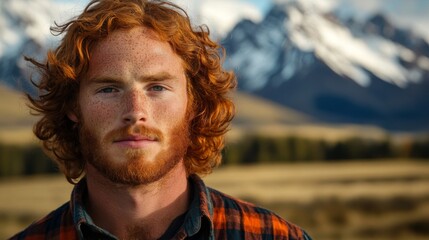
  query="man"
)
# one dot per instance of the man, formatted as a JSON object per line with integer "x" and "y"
{"x": 134, "y": 105}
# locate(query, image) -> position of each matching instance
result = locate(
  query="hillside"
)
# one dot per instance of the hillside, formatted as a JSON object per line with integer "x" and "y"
{"x": 15, "y": 122}
{"x": 254, "y": 116}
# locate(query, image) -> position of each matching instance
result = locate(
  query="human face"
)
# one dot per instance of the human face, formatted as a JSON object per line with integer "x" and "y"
{"x": 133, "y": 108}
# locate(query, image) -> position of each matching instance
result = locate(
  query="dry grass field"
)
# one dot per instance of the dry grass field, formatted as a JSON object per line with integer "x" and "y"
{"x": 356, "y": 200}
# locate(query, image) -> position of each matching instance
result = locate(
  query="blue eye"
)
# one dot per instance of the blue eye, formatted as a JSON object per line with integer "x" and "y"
{"x": 107, "y": 90}
{"x": 157, "y": 88}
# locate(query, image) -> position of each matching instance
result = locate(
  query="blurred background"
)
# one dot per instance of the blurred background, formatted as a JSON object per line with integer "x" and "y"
{"x": 332, "y": 125}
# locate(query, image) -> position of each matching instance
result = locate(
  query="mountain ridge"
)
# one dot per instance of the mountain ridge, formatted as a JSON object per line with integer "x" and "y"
{"x": 286, "y": 58}
{"x": 312, "y": 62}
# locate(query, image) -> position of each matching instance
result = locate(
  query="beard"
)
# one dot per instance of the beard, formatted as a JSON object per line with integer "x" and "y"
{"x": 136, "y": 169}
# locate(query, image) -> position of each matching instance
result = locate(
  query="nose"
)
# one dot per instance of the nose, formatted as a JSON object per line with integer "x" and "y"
{"x": 134, "y": 105}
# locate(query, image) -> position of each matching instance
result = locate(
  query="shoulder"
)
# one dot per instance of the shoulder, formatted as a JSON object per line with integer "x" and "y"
{"x": 55, "y": 225}
{"x": 234, "y": 218}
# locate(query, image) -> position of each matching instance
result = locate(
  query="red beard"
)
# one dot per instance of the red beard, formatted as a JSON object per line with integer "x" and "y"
{"x": 135, "y": 169}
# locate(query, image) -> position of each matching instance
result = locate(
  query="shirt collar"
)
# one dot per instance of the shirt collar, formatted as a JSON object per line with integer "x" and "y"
{"x": 201, "y": 209}
{"x": 198, "y": 217}
{"x": 81, "y": 217}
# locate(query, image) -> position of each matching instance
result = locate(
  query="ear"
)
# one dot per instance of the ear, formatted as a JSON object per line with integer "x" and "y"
{"x": 73, "y": 116}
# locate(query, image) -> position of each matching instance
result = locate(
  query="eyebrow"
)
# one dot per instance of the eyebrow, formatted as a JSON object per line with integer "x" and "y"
{"x": 158, "y": 77}
{"x": 161, "y": 76}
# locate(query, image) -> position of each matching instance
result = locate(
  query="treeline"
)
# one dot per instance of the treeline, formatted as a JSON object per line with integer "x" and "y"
{"x": 260, "y": 149}
{"x": 24, "y": 160}
{"x": 29, "y": 160}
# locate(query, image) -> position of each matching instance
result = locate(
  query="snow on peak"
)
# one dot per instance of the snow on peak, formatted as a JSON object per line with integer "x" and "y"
{"x": 312, "y": 5}
{"x": 220, "y": 15}
{"x": 23, "y": 20}
{"x": 348, "y": 55}
{"x": 231, "y": 11}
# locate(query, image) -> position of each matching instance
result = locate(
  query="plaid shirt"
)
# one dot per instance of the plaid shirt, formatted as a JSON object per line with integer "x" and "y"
{"x": 212, "y": 215}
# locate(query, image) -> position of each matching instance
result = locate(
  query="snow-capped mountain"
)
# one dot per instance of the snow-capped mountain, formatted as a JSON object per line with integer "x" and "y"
{"x": 332, "y": 69}
{"x": 24, "y": 31}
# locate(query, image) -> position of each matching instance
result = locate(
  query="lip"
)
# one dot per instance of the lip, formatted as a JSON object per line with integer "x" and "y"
{"x": 135, "y": 141}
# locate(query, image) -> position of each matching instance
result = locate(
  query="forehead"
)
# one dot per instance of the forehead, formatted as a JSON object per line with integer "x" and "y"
{"x": 134, "y": 49}
{"x": 134, "y": 36}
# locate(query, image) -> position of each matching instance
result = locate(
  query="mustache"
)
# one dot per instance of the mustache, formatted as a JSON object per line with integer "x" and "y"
{"x": 135, "y": 131}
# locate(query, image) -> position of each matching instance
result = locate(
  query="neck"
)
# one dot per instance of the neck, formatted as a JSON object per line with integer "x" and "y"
{"x": 146, "y": 210}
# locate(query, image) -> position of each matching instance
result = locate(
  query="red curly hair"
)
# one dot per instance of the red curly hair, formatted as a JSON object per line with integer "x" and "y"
{"x": 208, "y": 83}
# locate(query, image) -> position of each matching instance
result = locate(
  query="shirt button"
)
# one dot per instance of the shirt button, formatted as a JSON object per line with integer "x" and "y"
{"x": 181, "y": 235}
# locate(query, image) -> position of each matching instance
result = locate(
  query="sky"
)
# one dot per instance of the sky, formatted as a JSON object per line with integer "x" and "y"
{"x": 405, "y": 13}
{"x": 222, "y": 15}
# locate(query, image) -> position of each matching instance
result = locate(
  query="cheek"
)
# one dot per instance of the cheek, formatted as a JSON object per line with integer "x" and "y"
{"x": 170, "y": 112}
{"x": 97, "y": 113}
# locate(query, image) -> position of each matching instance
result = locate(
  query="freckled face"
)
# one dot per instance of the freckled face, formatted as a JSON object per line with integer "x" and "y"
{"x": 133, "y": 108}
